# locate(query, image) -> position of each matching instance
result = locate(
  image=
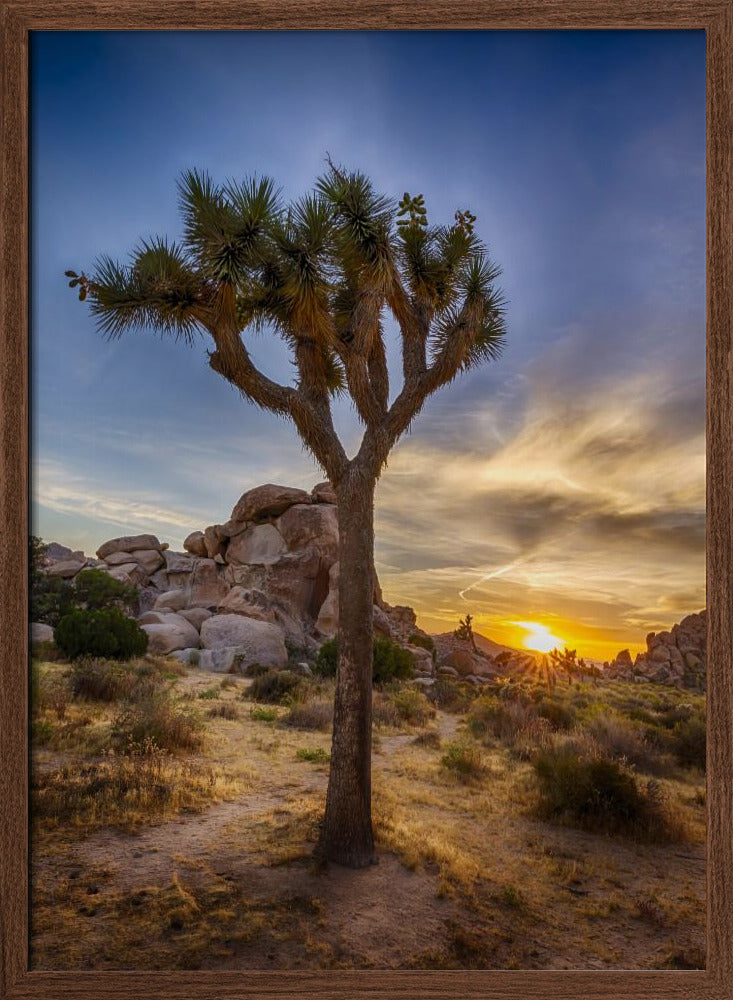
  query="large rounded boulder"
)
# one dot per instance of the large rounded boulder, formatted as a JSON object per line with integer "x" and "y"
{"x": 129, "y": 543}
{"x": 169, "y": 633}
{"x": 267, "y": 501}
{"x": 254, "y": 641}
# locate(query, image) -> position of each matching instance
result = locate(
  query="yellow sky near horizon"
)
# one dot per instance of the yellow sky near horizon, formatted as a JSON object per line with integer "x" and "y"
{"x": 586, "y": 516}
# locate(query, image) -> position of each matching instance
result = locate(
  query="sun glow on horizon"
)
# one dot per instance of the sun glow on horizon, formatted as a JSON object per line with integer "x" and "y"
{"x": 539, "y": 638}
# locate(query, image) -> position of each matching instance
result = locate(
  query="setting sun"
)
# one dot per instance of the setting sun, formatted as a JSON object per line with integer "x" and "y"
{"x": 539, "y": 638}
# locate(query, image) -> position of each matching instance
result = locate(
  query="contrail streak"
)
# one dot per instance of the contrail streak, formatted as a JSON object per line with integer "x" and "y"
{"x": 490, "y": 576}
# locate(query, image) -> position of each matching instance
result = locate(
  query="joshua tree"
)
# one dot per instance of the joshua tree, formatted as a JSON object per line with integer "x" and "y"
{"x": 465, "y": 631}
{"x": 322, "y": 272}
{"x": 567, "y": 661}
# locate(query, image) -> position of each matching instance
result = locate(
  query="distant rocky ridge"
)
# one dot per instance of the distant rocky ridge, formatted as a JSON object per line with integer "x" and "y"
{"x": 677, "y": 657}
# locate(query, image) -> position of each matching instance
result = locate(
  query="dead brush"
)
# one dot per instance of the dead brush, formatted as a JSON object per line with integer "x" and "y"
{"x": 224, "y": 710}
{"x": 535, "y": 736}
{"x": 97, "y": 679}
{"x": 142, "y": 785}
{"x": 430, "y": 739}
{"x": 314, "y": 714}
{"x": 384, "y": 712}
{"x": 623, "y": 741}
{"x": 158, "y": 719}
{"x": 649, "y": 910}
{"x": 499, "y": 718}
{"x": 53, "y": 695}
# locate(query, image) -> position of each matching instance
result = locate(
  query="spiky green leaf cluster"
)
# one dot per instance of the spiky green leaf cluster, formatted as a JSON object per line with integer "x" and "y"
{"x": 160, "y": 288}
{"x": 304, "y": 270}
{"x": 225, "y": 225}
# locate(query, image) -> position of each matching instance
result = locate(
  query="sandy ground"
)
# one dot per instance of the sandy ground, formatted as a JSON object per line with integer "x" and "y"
{"x": 541, "y": 896}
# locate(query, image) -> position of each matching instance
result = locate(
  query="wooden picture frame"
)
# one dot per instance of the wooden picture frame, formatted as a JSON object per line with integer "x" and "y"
{"x": 19, "y": 17}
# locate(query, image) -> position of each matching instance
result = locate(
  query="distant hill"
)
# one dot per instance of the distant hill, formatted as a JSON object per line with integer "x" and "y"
{"x": 486, "y": 645}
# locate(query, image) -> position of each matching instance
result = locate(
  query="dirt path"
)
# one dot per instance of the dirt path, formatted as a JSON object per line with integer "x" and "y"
{"x": 154, "y": 853}
{"x": 357, "y": 908}
{"x": 545, "y": 894}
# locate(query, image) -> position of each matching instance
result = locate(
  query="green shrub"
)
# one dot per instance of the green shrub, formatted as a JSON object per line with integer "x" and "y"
{"x": 450, "y": 695}
{"x": 42, "y": 732}
{"x": 255, "y": 670}
{"x": 412, "y": 706}
{"x": 106, "y": 633}
{"x": 317, "y": 756}
{"x": 94, "y": 590}
{"x": 158, "y": 721}
{"x": 425, "y": 641}
{"x": 274, "y": 687}
{"x": 560, "y": 716}
{"x": 464, "y": 759}
{"x": 601, "y": 795}
{"x": 209, "y": 694}
{"x": 688, "y": 741}
{"x": 261, "y": 714}
{"x": 50, "y": 597}
{"x": 327, "y": 659}
{"x": 389, "y": 660}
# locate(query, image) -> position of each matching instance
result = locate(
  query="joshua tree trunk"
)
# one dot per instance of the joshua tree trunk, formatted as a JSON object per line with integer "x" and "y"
{"x": 347, "y": 837}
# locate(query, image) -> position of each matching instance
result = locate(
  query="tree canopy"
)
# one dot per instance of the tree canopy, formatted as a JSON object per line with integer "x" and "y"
{"x": 322, "y": 272}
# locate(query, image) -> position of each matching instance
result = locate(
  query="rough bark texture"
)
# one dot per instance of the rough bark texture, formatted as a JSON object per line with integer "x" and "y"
{"x": 347, "y": 836}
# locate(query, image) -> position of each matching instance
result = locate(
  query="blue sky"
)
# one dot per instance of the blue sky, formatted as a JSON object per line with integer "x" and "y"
{"x": 563, "y": 484}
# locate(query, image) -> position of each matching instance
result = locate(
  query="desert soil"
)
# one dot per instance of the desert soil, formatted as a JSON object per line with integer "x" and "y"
{"x": 466, "y": 877}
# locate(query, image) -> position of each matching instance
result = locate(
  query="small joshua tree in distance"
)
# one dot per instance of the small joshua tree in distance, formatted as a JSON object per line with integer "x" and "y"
{"x": 465, "y": 631}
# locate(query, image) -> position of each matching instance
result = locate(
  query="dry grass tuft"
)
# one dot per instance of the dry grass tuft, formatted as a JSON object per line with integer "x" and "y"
{"x": 157, "y": 719}
{"x": 315, "y": 714}
{"x": 224, "y": 710}
{"x": 126, "y": 790}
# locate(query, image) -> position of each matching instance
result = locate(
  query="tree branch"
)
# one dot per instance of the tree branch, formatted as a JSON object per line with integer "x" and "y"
{"x": 310, "y": 413}
{"x": 418, "y": 386}
{"x": 311, "y": 409}
{"x": 359, "y": 351}
{"x": 378, "y": 373}
{"x": 414, "y": 332}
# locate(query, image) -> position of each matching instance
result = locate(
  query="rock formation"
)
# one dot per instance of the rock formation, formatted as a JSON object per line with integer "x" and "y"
{"x": 677, "y": 657}
{"x": 253, "y": 589}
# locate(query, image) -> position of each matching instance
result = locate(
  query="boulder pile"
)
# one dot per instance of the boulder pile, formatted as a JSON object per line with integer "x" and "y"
{"x": 260, "y": 588}
{"x": 677, "y": 657}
